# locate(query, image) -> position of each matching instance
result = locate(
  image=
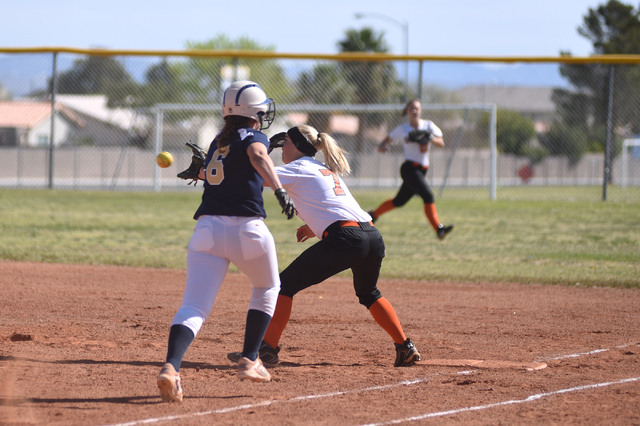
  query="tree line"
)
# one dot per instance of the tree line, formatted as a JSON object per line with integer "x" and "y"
{"x": 581, "y": 110}
{"x": 195, "y": 80}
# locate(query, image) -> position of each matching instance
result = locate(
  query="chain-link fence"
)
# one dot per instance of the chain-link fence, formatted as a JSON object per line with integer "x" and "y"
{"x": 521, "y": 128}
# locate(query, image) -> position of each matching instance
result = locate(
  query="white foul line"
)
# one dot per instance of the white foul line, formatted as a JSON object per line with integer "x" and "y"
{"x": 597, "y": 351}
{"x": 498, "y": 404}
{"x": 374, "y": 388}
{"x": 271, "y": 402}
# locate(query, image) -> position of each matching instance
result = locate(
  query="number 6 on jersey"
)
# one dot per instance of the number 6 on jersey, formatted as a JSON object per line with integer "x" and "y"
{"x": 215, "y": 169}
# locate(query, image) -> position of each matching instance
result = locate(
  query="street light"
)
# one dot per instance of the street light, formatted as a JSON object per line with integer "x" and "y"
{"x": 405, "y": 27}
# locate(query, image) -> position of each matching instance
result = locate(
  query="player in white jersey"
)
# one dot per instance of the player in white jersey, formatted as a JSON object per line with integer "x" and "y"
{"x": 348, "y": 238}
{"x": 415, "y": 167}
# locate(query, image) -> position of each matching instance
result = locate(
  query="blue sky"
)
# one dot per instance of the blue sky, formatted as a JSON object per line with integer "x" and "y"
{"x": 464, "y": 27}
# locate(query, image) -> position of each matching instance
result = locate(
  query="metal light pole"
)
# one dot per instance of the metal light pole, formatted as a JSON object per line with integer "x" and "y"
{"x": 405, "y": 27}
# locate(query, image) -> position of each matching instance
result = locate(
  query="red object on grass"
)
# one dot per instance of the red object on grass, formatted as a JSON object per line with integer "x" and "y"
{"x": 526, "y": 172}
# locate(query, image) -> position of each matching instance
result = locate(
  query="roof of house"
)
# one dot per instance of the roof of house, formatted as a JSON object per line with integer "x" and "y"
{"x": 23, "y": 114}
{"x": 517, "y": 98}
{"x": 28, "y": 114}
{"x": 100, "y": 133}
{"x": 97, "y": 106}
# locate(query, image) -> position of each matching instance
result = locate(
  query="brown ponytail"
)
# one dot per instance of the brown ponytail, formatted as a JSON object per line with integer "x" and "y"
{"x": 230, "y": 131}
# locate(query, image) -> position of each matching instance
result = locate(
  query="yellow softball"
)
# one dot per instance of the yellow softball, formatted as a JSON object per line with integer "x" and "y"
{"x": 164, "y": 159}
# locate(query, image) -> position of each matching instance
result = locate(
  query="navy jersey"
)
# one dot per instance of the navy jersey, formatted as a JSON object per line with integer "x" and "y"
{"x": 232, "y": 187}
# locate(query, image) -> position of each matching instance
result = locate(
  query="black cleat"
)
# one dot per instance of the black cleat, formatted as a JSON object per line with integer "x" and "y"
{"x": 268, "y": 355}
{"x": 443, "y": 231}
{"x": 406, "y": 354}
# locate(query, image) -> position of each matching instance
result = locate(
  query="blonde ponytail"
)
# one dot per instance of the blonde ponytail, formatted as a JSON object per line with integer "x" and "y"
{"x": 334, "y": 156}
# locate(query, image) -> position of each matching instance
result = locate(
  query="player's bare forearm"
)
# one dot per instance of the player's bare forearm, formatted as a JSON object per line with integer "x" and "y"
{"x": 263, "y": 164}
{"x": 438, "y": 141}
{"x": 382, "y": 148}
{"x": 304, "y": 233}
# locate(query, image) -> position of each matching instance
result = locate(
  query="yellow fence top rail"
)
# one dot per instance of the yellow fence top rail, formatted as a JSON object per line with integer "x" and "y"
{"x": 352, "y": 56}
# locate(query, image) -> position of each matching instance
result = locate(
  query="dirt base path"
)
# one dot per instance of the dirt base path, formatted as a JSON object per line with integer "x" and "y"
{"x": 82, "y": 345}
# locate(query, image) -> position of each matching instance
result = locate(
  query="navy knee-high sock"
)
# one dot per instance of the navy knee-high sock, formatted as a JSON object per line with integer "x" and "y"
{"x": 180, "y": 337}
{"x": 257, "y": 323}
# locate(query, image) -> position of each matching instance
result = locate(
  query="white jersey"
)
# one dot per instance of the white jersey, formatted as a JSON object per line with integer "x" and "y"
{"x": 320, "y": 196}
{"x": 412, "y": 149}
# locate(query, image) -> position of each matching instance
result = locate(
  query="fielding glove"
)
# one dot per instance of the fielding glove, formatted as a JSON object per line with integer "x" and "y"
{"x": 197, "y": 162}
{"x": 420, "y": 136}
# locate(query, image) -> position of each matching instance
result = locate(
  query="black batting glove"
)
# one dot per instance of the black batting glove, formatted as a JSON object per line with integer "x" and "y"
{"x": 288, "y": 208}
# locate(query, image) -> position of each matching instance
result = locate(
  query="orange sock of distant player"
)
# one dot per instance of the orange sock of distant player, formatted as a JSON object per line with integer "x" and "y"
{"x": 279, "y": 321}
{"x": 386, "y": 317}
{"x": 432, "y": 215}
{"x": 387, "y": 206}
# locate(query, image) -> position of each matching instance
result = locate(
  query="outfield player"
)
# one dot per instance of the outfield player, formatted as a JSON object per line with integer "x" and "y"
{"x": 348, "y": 239}
{"x": 230, "y": 228}
{"x": 414, "y": 169}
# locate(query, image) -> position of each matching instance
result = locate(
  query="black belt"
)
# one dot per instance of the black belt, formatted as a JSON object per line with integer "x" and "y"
{"x": 418, "y": 165}
{"x": 346, "y": 223}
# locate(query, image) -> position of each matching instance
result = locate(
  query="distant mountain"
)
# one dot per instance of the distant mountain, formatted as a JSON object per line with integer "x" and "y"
{"x": 21, "y": 74}
{"x": 454, "y": 75}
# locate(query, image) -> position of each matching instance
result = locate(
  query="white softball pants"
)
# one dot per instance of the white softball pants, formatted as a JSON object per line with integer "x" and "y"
{"x": 217, "y": 241}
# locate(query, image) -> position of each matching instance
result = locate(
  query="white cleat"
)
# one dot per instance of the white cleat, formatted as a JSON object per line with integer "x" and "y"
{"x": 252, "y": 370}
{"x": 169, "y": 384}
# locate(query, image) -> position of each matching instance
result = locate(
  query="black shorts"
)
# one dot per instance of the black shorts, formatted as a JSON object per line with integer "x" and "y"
{"x": 345, "y": 245}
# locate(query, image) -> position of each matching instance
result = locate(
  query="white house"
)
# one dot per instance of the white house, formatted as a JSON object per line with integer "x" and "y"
{"x": 96, "y": 106}
{"x": 28, "y": 123}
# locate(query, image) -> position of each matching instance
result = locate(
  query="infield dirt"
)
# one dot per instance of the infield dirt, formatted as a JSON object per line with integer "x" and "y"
{"x": 82, "y": 345}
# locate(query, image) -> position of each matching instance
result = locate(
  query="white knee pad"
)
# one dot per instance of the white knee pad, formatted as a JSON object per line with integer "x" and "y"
{"x": 190, "y": 317}
{"x": 264, "y": 299}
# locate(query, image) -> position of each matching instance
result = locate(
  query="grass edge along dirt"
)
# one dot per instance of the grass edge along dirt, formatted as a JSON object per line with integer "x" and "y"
{"x": 550, "y": 242}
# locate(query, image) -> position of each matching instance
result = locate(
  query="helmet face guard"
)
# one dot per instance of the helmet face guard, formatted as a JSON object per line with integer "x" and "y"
{"x": 268, "y": 116}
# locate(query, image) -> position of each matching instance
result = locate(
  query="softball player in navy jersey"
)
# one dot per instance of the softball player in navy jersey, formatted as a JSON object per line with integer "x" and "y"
{"x": 415, "y": 167}
{"x": 230, "y": 228}
{"x": 348, "y": 239}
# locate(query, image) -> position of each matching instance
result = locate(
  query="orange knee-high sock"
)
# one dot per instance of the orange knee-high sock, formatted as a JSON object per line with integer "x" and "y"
{"x": 279, "y": 321}
{"x": 387, "y": 206}
{"x": 386, "y": 317}
{"x": 432, "y": 215}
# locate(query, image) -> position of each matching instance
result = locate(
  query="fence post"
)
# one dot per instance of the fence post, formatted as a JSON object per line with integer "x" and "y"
{"x": 54, "y": 89}
{"x": 607, "y": 144}
{"x": 494, "y": 150}
{"x": 419, "y": 81}
{"x": 157, "y": 178}
{"x": 453, "y": 152}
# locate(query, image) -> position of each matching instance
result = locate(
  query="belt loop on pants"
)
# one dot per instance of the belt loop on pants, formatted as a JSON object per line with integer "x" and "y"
{"x": 343, "y": 224}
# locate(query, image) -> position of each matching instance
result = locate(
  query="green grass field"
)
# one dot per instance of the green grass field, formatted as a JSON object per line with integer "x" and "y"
{"x": 565, "y": 241}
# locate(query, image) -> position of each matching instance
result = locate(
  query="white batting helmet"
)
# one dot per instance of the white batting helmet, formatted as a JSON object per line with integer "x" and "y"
{"x": 247, "y": 99}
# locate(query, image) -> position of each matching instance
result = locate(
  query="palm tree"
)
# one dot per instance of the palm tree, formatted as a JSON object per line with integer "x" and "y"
{"x": 372, "y": 82}
{"x": 322, "y": 85}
